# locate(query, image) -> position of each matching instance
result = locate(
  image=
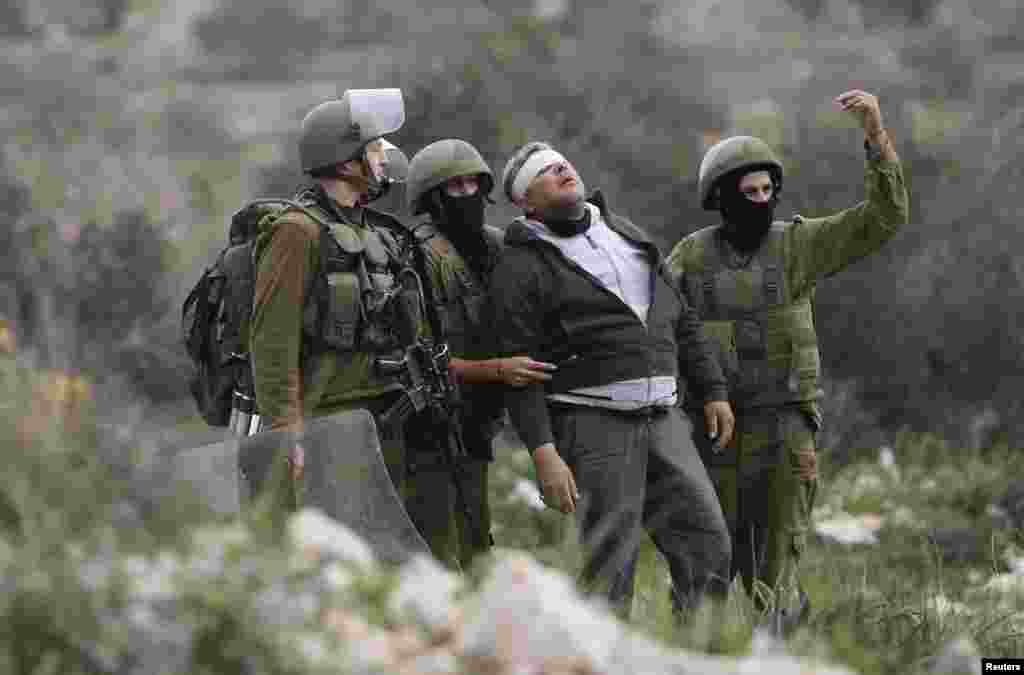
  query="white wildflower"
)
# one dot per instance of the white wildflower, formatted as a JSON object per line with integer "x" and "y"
{"x": 317, "y": 536}
{"x": 142, "y": 616}
{"x": 1009, "y": 584}
{"x": 526, "y": 491}
{"x": 314, "y": 649}
{"x": 336, "y": 576}
{"x": 158, "y": 582}
{"x": 95, "y": 575}
{"x": 847, "y": 529}
{"x": 903, "y": 516}
{"x": 943, "y": 606}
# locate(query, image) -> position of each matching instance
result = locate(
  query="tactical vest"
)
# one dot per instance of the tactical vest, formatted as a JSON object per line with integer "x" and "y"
{"x": 461, "y": 298}
{"x": 460, "y": 295}
{"x": 353, "y": 303}
{"x": 765, "y": 337}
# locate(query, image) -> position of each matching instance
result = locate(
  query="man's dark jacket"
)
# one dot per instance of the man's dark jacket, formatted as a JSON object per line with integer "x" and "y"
{"x": 549, "y": 307}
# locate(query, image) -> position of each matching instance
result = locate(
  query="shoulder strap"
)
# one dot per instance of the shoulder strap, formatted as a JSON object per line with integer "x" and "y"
{"x": 420, "y": 267}
{"x": 774, "y": 264}
{"x": 292, "y": 205}
{"x": 702, "y": 292}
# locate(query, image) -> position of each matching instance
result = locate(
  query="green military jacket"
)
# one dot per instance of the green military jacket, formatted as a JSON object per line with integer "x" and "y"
{"x": 757, "y": 308}
{"x": 294, "y": 376}
{"x": 460, "y": 295}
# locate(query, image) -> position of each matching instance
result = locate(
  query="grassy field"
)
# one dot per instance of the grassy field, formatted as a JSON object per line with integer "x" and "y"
{"x": 941, "y": 568}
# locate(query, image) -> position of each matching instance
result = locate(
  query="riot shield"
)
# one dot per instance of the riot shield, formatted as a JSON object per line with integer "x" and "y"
{"x": 344, "y": 476}
{"x": 212, "y": 472}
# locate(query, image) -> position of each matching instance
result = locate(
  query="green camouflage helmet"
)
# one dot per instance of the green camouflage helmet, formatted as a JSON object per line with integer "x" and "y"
{"x": 439, "y": 161}
{"x": 336, "y": 131}
{"x": 731, "y": 154}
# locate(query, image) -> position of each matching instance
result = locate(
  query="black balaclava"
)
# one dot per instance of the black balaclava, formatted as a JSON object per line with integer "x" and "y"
{"x": 745, "y": 222}
{"x": 461, "y": 219}
{"x": 569, "y": 227}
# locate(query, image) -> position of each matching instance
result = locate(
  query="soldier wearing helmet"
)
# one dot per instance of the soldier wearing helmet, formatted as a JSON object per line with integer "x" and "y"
{"x": 451, "y": 183}
{"x": 751, "y": 280}
{"x": 324, "y": 274}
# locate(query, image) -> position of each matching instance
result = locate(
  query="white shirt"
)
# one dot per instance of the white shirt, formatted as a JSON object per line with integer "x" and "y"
{"x": 624, "y": 269}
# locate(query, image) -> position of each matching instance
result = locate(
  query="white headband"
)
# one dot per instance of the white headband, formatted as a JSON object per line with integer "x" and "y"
{"x": 533, "y": 165}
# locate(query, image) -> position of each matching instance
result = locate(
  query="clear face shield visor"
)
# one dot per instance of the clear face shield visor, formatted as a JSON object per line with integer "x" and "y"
{"x": 374, "y": 113}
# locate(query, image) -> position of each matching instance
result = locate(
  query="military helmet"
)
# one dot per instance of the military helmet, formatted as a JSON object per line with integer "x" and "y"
{"x": 336, "y": 131}
{"x": 439, "y": 161}
{"x": 729, "y": 155}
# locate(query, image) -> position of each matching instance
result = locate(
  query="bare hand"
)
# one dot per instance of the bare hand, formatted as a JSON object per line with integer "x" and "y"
{"x": 720, "y": 423}
{"x": 297, "y": 461}
{"x": 519, "y": 371}
{"x": 864, "y": 107}
{"x": 557, "y": 485}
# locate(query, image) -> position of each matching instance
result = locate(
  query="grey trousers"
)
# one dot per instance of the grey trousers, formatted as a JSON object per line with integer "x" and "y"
{"x": 641, "y": 470}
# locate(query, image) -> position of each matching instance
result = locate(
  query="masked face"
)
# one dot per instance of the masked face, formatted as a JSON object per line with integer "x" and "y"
{"x": 463, "y": 213}
{"x": 462, "y": 204}
{"x": 748, "y": 209}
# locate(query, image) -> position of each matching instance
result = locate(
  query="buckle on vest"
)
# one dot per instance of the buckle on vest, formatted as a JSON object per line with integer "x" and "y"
{"x": 772, "y": 287}
{"x": 710, "y": 304}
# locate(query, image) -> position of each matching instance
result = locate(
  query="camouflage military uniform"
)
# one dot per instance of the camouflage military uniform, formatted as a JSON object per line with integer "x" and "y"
{"x": 757, "y": 308}
{"x": 450, "y": 504}
{"x": 457, "y": 532}
{"x": 313, "y": 356}
{"x": 325, "y": 277}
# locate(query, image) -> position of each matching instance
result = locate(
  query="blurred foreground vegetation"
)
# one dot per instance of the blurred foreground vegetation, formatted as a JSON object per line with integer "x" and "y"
{"x": 94, "y": 561}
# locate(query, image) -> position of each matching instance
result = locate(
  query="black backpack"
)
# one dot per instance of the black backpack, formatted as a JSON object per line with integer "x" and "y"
{"x": 215, "y": 315}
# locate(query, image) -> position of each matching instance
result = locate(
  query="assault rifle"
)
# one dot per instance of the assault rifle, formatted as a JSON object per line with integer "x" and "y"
{"x": 428, "y": 390}
{"x": 426, "y": 387}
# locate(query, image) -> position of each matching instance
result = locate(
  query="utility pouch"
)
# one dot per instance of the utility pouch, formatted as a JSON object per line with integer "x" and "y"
{"x": 347, "y": 239}
{"x": 376, "y": 252}
{"x": 341, "y": 322}
{"x": 379, "y": 331}
{"x": 749, "y": 339}
{"x": 806, "y": 367}
{"x": 377, "y": 296}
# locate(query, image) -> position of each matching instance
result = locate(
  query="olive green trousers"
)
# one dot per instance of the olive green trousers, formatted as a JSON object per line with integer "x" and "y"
{"x": 767, "y": 491}
{"x": 449, "y": 505}
{"x": 455, "y": 532}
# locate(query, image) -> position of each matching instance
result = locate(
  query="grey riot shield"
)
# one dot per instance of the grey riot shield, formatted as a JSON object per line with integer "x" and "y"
{"x": 344, "y": 476}
{"x": 212, "y": 472}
